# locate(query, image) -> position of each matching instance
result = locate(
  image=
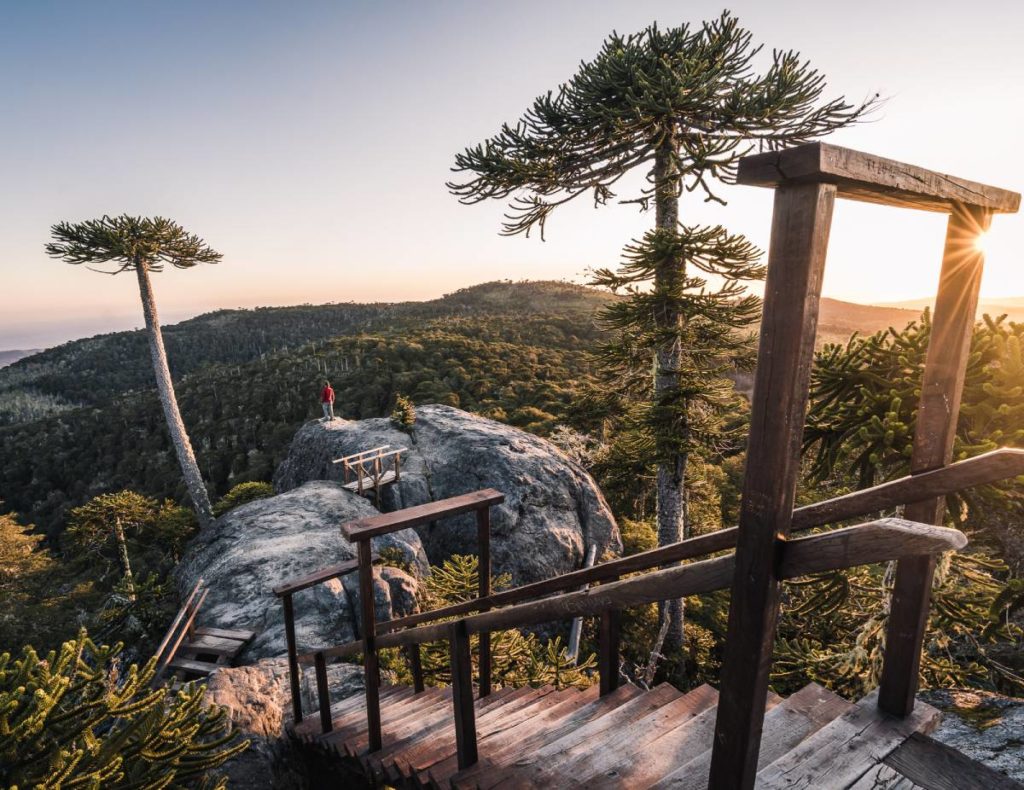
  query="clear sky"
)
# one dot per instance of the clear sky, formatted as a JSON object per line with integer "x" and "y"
{"x": 310, "y": 142}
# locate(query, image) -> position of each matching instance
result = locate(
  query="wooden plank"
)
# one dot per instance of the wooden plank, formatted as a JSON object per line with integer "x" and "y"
{"x": 874, "y": 541}
{"x": 317, "y": 577}
{"x": 203, "y": 668}
{"x": 224, "y": 633}
{"x": 374, "y": 526}
{"x": 183, "y": 612}
{"x": 796, "y": 263}
{"x": 609, "y": 651}
{"x": 372, "y": 482}
{"x": 882, "y": 777}
{"x": 353, "y": 721}
{"x": 462, "y": 694}
{"x": 483, "y": 542}
{"x": 200, "y": 648}
{"x": 534, "y": 768}
{"x": 938, "y": 412}
{"x": 870, "y": 178}
{"x": 841, "y": 752}
{"x": 184, "y": 629}
{"x": 357, "y": 456}
{"x": 785, "y": 725}
{"x": 940, "y": 767}
{"x": 514, "y": 744}
{"x": 371, "y": 668}
{"x": 641, "y": 742}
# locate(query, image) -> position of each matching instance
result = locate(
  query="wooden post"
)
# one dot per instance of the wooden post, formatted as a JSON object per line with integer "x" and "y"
{"x": 608, "y": 651}
{"x": 483, "y": 537}
{"x": 371, "y": 670}
{"x": 462, "y": 694}
{"x": 293, "y": 663}
{"x": 416, "y": 665}
{"x": 938, "y": 410}
{"x": 323, "y": 693}
{"x": 796, "y": 261}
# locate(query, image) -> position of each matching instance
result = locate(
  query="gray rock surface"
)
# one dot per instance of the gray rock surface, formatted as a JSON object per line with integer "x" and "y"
{"x": 553, "y": 508}
{"x": 258, "y": 701}
{"x": 257, "y": 546}
{"x": 986, "y": 727}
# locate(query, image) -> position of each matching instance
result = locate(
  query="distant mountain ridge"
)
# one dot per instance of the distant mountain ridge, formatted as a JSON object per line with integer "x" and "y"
{"x": 12, "y": 356}
{"x": 1012, "y": 306}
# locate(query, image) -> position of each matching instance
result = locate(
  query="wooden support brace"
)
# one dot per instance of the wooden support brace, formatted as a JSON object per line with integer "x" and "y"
{"x": 462, "y": 694}
{"x": 371, "y": 670}
{"x": 938, "y": 412}
{"x": 416, "y": 666}
{"x": 323, "y": 693}
{"x": 800, "y": 229}
{"x": 293, "y": 662}
{"x": 608, "y": 651}
{"x": 483, "y": 537}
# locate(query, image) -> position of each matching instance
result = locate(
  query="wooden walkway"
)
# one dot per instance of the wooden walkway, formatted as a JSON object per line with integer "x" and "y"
{"x": 529, "y": 738}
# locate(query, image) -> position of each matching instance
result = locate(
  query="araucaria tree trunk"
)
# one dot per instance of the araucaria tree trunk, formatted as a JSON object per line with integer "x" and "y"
{"x": 122, "y": 552}
{"x": 165, "y": 387}
{"x": 672, "y": 505}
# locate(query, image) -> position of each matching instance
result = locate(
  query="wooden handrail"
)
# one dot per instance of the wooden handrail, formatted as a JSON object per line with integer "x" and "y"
{"x": 356, "y": 456}
{"x": 987, "y": 468}
{"x": 863, "y": 544}
{"x": 158, "y": 655}
{"x": 374, "y": 526}
{"x": 318, "y": 577}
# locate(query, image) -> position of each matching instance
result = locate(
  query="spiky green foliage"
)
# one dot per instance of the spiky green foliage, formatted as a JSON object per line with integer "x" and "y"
{"x": 517, "y": 659}
{"x": 127, "y": 241}
{"x": 403, "y": 416}
{"x": 78, "y": 718}
{"x": 833, "y": 627}
{"x": 693, "y": 91}
{"x": 242, "y": 493}
{"x": 864, "y": 398}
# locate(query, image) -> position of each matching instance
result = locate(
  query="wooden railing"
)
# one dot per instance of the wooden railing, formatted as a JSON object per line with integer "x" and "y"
{"x": 875, "y": 541}
{"x": 366, "y": 472}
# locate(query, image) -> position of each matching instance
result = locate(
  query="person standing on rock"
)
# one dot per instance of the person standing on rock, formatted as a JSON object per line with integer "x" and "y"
{"x": 327, "y": 401}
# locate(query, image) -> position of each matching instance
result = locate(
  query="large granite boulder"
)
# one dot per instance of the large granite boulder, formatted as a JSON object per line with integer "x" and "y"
{"x": 985, "y": 726}
{"x": 258, "y": 546}
{"x": 553, "y": 510}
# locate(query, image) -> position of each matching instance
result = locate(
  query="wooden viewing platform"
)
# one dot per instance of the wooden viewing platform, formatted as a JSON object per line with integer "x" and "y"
{"x": 741, "y": 735}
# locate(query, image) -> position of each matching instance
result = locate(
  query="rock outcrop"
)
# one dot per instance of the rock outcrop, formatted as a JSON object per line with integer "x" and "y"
{"x": 253, "y": 548}
{"x": 985, "y": 726}
{"x": 552, "y": 512}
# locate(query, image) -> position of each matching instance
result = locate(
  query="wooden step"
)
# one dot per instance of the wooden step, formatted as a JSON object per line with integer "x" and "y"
{"x": 530, "y": 719}
{"x": 345, "y": 709}
{"x": 442, "y": 743}
{"x": 633, "y": 744}
{"x": 225, "y": 633}
{"x": 935, "y": 765}
{"x": 495, "y": 756}
{"x": 530, "y": 769}
{"x": 356, "y": 723}
{"x": 787, "y": 724}
{"x": 384, "y": 761}
{"x": 845, "y": 749}
{"x": 203, "y": 668}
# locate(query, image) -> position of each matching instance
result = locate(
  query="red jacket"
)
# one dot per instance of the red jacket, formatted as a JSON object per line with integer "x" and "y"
{"x": 327, "y": 395}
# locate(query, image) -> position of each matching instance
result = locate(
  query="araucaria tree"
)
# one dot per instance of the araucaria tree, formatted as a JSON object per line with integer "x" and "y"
{"x": 144, "y": 245}
{"x": 683, "y": 105}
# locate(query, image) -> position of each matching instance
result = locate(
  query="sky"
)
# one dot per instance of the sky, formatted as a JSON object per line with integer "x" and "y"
{"x": 310, "y": 142}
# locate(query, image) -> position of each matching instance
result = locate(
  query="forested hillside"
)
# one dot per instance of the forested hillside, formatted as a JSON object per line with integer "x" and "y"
{"x": 495, "y": 353}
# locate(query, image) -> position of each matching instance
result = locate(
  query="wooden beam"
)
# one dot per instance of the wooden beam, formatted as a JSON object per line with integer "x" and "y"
{"x": 938, "y": 412}
{"x": 374, "y": 526}
{"x": 609, "y": 651}
{"x": 874, "y": 541}
{"x": 929, "y": 763}
{"x": 796, "y": 263}
{"x": 462, "y": 694}
{"x": 483, "y": 537}
{"x": 293, "y": 661}
{"x": 317, "y": 577}
{"x": 873, "y": 179}
{"x": 371, "y": 668}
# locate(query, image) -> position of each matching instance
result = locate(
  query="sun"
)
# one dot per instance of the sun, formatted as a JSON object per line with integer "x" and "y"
{"x": 981, "y": 242}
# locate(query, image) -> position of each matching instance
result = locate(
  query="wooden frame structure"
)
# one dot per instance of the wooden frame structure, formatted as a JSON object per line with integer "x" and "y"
{"x": 368, "y": 472}
{"x": 807, "y": 180}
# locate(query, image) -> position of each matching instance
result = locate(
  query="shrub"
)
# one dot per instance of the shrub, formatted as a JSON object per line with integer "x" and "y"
{"x": 240, "y": 494}
{"x": 79, "y": 719}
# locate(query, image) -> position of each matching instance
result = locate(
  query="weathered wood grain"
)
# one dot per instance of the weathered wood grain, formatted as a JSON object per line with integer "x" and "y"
{"x": 841, "y": 752}
{"x": 796, "y": 262}
{"x": 938, "y": 413}
{"x": 374, "y": 526}
{"x": 940, "y": 767}
{"x": 873, "y": 179}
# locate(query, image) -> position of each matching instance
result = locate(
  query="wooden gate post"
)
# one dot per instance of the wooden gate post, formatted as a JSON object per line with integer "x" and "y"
{"x": 796, "y": 260}
{"x": 371, "y": 668}
{"x": 942, "y": 386}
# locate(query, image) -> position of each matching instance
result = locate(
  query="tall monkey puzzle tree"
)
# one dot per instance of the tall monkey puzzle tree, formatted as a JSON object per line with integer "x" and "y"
{"x": 144, "y": 245}
{"x": 685, "y": 104}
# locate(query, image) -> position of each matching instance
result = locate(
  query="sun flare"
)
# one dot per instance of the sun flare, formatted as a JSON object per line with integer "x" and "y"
{"x": 981, "y": 242}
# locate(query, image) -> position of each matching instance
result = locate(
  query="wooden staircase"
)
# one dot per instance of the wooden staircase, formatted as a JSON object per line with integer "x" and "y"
{"x": 631, "y": 738}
